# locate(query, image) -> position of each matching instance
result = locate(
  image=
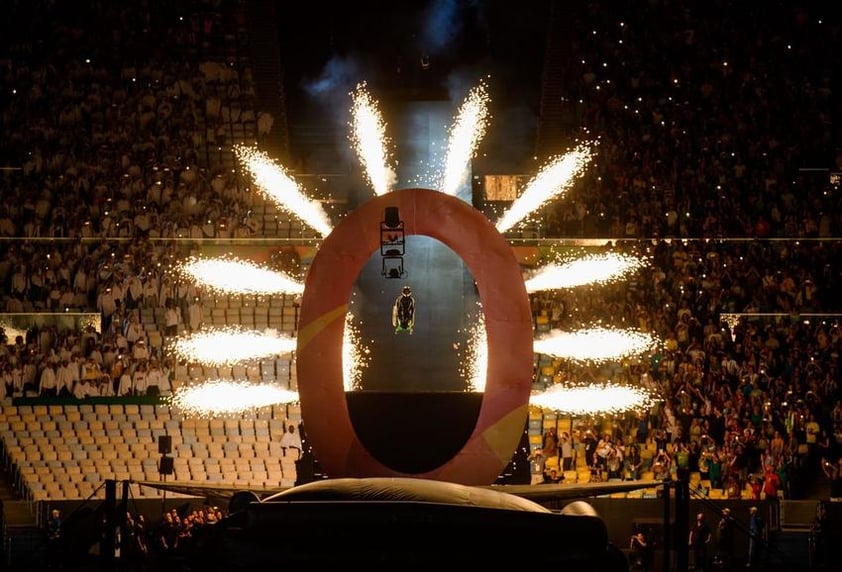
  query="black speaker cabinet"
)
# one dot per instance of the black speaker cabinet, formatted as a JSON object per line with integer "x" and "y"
{"x": 164, "y": 444}
{"x": 392, "y": 217}
{"x": 165, "y": 466}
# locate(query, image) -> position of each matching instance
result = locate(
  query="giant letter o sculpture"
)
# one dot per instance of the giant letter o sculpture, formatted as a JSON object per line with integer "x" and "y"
{"x": 508, "y": 323}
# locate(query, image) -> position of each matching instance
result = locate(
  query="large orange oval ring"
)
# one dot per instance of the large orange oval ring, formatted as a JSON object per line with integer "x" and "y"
{"x": 508, "y": 323}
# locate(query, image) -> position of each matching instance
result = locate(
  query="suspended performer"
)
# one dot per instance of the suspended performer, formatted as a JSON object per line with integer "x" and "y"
{"x": 403, "y": 312}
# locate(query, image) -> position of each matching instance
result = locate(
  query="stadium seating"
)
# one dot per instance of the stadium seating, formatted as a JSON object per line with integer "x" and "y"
{"x": 86, "y": 452}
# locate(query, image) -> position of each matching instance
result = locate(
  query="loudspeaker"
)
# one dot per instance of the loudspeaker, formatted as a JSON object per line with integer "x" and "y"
{"x": 164, "y": 444}
{"x": 391, "y": 217}
{"x": 165, "y": 467}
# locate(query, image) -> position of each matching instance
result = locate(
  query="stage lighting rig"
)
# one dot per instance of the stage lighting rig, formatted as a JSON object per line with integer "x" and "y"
{"x": 392, "y": 243}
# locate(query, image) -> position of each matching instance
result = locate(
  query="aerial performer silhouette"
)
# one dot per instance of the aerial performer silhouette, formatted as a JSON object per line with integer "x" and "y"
{"x": 403, "y": 312}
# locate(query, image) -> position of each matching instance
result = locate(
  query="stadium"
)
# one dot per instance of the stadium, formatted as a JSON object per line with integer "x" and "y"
{"x": 493, "y": 163}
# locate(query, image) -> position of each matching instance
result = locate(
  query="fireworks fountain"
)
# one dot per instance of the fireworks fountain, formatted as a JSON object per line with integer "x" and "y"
{"x": 594, "y": 345}
{"x": 216, "y": 398}
{"x": 369, "y": 139}
{"x": 465, "y": 135}
{"x": 231, "y": 345}
{"x": 589, "y": 399}
{"x": 278, "y": 186}
{"x": 355, "y": 354}
{"x": 475, "y": 358}
{"x": 552, "y": 181}
{"x": 232, "y": 276}
{"x": 587, "y": 269}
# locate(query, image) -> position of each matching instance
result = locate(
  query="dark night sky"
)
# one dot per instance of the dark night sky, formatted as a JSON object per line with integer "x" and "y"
{"x": 326, "y": 53}
{"x": 332, "y": 50}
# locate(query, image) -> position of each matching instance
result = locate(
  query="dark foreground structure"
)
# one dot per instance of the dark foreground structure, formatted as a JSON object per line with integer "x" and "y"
{"x": 403, "y": 521}
{"x": 387, "y": 521}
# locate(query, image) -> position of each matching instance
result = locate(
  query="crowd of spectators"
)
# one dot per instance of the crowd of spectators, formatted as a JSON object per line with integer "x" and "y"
{"x": 139, "y": 544}
{"x": 116, "y": 118}
{"x": 717, "y": 142}
{"x": 703, "y": 123}
{"x": 740, "y": 394}
{"x": 111, "y": 138}
{"x": 176, "y": 536}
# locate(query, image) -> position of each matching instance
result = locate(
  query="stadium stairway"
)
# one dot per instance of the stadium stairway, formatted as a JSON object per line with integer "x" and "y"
{"x": 21, "y": 536}
{"x": 24, "y": 548}
{"x": 813, "y": 483}
{"x": 268, "y": 74}
{"x": 789, "y": 543}
{"x": 7, "y": 489}
{"x": 556, "y": 121}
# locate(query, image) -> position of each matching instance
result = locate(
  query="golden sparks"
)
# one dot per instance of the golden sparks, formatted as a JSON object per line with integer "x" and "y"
{"x": 231, "y": 345}
{"x": 594, "y": 345}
